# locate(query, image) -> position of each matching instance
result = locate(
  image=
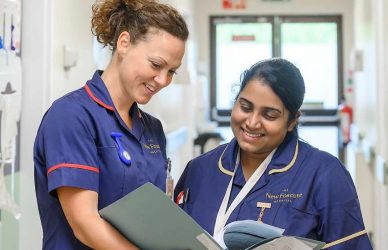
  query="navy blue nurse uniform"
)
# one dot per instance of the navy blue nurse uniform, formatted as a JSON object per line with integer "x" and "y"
{"x": 305, "y": 191}
{"x": 74, "y": 147}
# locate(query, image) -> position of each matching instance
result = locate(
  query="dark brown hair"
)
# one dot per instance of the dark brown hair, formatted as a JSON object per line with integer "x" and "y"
{"x": 112, "y": 17}
{"x": 285, "y": 80}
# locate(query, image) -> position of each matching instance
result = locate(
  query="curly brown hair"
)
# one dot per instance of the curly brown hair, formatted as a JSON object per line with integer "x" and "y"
{"x": 112, "y": 17}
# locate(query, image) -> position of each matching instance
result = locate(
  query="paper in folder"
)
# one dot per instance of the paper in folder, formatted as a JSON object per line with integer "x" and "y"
{"x": 150, "y": 220}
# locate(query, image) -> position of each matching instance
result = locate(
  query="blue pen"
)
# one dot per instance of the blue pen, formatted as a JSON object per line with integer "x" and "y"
{"x": 123, "y": 154}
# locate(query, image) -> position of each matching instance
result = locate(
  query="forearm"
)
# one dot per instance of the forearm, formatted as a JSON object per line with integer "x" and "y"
{"x": 98, "y": 234}
{"x": 80, "y": 208}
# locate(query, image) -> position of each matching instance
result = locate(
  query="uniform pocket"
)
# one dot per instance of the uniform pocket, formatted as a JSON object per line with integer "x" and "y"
{"x": 300, "y": 221}
{"x": 112, "y": 175}
{"x": 109, "y": 157}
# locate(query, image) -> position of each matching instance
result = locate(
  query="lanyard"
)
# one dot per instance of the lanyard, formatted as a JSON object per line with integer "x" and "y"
{"x": 223, "y": 213}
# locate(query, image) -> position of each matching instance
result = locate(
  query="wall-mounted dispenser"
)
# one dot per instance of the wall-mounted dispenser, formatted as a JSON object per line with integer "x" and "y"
{"x": 70, "y": 57}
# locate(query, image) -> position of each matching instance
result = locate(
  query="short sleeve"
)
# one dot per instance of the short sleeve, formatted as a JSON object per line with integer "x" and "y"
{"x": 181, "y": 185}
{"x": 341, "y": 224}
{"x": 67, "y": 142}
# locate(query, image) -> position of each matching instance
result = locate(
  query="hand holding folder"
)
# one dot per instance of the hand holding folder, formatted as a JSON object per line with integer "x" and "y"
{"x": 150, "y": 220}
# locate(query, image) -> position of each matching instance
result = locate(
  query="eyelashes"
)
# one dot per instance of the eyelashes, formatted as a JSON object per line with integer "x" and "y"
{"x": 158, "y": 66}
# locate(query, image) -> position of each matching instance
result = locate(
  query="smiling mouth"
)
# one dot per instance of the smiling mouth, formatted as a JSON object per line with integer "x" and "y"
{"x": 150, "y": 87}
{"x": 252, "y": 135}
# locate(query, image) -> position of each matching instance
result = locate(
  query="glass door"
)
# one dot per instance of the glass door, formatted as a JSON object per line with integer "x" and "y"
{"x": 312, "y": 43}
{"x": 239, "y": 42}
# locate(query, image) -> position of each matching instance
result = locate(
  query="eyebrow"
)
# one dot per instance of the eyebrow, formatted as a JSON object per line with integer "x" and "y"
{"x": 265, "y": 108}
{"x": 164, "y": 61}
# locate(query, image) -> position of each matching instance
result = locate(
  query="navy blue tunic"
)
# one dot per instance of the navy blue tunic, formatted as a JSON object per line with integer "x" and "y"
{"x": 74, "y": 148}
{"x": 310, "y": 193}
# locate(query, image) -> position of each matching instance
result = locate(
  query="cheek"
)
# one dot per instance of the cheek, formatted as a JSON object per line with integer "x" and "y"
{"x": 275, "y": 127}
{"x": 236, "y": 117}
{"x": 234, "y": 121}
{"x": 127, "y": 72}
{"x": 278, "y": 131}
{"x": 169, "y": 80}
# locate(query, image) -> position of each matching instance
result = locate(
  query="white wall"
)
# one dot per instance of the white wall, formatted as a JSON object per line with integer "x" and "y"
{"x": 71, "y": 27}
{"x": 365, "y": 92}
{"x": 36, "y": 60}
{"x": 371, "y": 117}
{"x": 371, "y": 37}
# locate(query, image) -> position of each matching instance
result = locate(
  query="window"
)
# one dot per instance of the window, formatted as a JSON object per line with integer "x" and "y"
{"x": 238, "y": 45}
{"x": 312, "y": 43}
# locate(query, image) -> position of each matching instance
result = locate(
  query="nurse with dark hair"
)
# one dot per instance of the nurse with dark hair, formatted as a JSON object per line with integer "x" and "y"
{"x": 266, "y": 173}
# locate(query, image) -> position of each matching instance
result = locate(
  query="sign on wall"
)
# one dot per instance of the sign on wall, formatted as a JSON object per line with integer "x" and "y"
{"x": 233, "y": 4}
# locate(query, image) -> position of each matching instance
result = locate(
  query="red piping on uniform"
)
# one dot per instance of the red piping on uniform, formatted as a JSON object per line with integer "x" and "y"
{"x": 97, "y": 100}
{"x": 70, "y": 165}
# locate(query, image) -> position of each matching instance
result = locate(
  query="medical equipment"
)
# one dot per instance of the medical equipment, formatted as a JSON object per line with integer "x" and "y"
{"x": 10, "y": 102}
{"x": 3, "y": 55}
{"x": 123, "y": 154}
{"x": 12, "y": 46}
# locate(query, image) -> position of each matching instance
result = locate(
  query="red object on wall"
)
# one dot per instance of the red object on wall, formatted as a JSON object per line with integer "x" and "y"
{"x": 346, "y": 119}
{"x": 233, "y": 4}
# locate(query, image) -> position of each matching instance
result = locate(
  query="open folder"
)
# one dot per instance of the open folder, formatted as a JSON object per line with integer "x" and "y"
{"x": 150, "y": 220}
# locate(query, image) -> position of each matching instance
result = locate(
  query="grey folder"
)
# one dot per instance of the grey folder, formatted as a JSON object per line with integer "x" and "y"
{"x": 149, "y": 219}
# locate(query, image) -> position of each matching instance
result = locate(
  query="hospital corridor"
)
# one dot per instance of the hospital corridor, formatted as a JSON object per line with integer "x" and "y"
{"x": 49, "y": 49}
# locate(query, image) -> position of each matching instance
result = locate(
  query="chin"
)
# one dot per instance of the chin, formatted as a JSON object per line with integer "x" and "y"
{"x": 250, "y": 147}
{"x": 143, "y": 100}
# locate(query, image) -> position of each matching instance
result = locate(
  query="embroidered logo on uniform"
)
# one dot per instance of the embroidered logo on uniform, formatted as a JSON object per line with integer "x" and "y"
{"x": 152, "y": 148}
{"x": 284, "y": 196}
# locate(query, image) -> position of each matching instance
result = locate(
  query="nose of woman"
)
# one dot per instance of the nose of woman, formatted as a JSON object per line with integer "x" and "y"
{"x": 253, "y": 121}
{"x": 163, "y": 79}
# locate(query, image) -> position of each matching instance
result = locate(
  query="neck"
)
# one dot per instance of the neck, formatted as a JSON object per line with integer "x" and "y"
{"x": 116, "y": 91}
{"x": 250, "y": 162}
